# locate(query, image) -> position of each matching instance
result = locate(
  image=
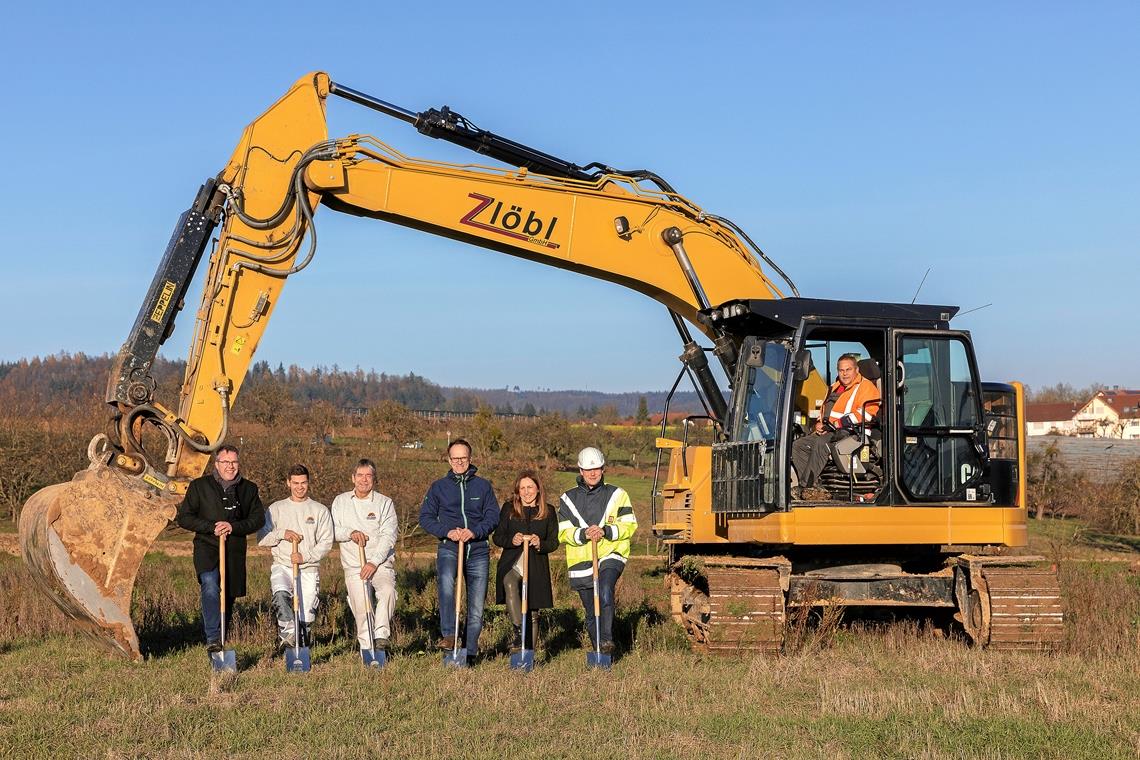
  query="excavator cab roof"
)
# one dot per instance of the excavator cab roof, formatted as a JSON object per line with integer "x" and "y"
{"x": 765, "y": 317}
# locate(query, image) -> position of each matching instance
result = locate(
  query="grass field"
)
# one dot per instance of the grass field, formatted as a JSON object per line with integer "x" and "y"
{"x": 873, "y": 687}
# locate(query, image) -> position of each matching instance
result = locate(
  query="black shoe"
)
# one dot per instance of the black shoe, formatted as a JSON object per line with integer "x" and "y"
{"x": 381, "y": 645}
{"x": 516, "y": 643}
{"x": 213, "y": 645}
{"x": 472, "y": 659}
{"x": 285, "y": 644}
{"x": 607, "y": 647}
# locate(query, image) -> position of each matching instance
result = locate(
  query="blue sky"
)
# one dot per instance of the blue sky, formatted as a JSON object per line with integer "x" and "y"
{"x": 859, "y": 144}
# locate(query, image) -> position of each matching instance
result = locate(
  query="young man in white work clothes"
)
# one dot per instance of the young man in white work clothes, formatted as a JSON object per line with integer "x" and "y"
{"x": 308, "y": 522}
{"x": 363, "y": 517}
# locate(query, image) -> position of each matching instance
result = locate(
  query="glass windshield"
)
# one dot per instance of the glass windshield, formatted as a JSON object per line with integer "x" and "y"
{"x": 939, "y": 415}
{"x": 939, "y": 390}
{"x": 765, "y": 389}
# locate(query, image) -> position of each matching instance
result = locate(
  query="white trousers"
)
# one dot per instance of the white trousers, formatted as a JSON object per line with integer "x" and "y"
{"x": 281, "y": 581}
{"x": 383, "y": 600}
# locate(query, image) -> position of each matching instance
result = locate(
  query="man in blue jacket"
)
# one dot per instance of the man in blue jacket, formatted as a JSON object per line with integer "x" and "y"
{"x": 461, "y": 506}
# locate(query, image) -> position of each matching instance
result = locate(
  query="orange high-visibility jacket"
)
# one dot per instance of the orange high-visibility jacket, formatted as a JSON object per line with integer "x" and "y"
{"x": 851, "y": 402}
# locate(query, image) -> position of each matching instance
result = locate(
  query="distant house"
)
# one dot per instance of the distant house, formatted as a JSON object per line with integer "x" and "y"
{"x": 1051, "y": 419}
{"x": 1111, "y": 413}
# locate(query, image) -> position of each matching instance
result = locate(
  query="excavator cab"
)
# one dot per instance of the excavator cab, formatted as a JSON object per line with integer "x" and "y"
{"x": 923, "y": 443}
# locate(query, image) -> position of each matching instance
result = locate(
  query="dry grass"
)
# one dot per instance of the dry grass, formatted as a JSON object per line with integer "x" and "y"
{"x": 846, "y": 690}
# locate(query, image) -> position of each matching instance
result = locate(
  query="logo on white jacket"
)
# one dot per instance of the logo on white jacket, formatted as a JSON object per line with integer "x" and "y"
{"x": 310, "y": 520}
{"x": 371, "y": 516}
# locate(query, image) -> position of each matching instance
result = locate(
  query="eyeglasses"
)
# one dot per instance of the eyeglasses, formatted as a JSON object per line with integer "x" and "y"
{"x": 227, "y": 463}
{"x": 459, "y": 459}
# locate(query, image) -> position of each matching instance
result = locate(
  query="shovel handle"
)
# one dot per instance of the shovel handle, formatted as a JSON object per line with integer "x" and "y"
{"x": 526, "y": 572}
{"x": 222, "y": 563}
{"x": 594, "y": 553}
{"x": 222, "y": 583}
{"x": 459, "y": 579}
{"x": 367, "y": 602}
{"x": 296, "y": 576}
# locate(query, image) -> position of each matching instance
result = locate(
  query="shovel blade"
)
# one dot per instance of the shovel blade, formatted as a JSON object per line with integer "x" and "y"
{"x": 523, "y": 660}
{"x": 373, "y": 659}
{"x": 297, "y": 660}
{"x": 456, "y": 659}
{"x": 224, "y": 661}
{"x": 599, "y": 660}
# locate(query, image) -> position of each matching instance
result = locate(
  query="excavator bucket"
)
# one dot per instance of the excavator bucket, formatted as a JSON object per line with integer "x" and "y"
{"x": 83, "y": 542}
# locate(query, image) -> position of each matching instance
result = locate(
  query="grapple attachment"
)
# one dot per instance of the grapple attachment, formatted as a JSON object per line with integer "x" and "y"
{"x": 84, "y": 541}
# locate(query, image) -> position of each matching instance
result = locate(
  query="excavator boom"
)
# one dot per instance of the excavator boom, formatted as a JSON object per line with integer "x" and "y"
{"x": 84, "y": 540}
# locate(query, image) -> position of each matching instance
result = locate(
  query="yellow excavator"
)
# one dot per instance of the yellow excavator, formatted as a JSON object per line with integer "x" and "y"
{"x": 912, "y": 508}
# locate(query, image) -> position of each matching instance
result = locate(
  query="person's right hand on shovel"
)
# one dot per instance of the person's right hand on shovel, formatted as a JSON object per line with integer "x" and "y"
{"x": 460, "y": 534}
{"x": 595, "y": 533}
{"x": 294, "y": 538}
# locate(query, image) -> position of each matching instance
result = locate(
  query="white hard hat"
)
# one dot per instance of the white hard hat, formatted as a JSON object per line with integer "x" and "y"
{"x": 590, "y": 458}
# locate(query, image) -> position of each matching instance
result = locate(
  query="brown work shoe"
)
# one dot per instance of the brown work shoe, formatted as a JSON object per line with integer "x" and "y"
{"x": 815, "y": 493}
{"x": 447, "y": 642}
{"x": 607, "y": 647}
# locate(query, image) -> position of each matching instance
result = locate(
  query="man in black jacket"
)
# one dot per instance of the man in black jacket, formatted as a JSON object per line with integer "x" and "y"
{"x": 222, "y": 503}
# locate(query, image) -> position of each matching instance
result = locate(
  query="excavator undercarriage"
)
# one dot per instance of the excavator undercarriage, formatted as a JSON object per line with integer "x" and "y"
{"x": 731, "y": 605}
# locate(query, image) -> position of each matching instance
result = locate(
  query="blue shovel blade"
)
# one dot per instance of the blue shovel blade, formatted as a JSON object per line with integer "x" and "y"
{"x": 456, "y": 659}
{"x": 224, "y": 661}
{"x": 599, "y": 660}
{"x": 374, "y": 658}
{"x": 523, "y": 660}
{"x": 297, "y": 660}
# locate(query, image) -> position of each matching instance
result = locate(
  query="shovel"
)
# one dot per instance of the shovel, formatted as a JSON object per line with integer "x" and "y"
{"x": 297, "y": 659}
{"x": 458, "y": 657}
{"x": 523, "y": 659}
{"x": 224, "y": 661}
{"x": 596, "y": 659}
{"x": 370, "y": 657}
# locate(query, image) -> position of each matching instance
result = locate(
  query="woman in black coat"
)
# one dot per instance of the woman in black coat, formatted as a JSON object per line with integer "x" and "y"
{"x": 525, "y": 518}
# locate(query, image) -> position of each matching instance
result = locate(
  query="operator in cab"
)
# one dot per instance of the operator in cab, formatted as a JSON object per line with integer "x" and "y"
{"x": 221, "y": 506}
{"x": 851, "y": 401}
{"x": 596, "y": 512}
{"x": 299, "y": 531}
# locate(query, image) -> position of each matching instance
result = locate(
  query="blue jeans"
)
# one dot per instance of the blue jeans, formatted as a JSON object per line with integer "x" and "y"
{"x": 211, "y": 591}
{"x": 607, "y": 581}
{"x": 476, "y": 565}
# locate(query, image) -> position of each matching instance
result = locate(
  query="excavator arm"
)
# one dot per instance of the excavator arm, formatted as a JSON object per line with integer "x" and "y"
{"x": 84, "y": 540}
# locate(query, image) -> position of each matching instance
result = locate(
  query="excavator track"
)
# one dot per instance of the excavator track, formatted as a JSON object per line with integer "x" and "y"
{"x": 741, "y": 609}
{"x": 1006, "y": 604}
{"x": 1026, "y": 610}
{"x": 747, "y": 609}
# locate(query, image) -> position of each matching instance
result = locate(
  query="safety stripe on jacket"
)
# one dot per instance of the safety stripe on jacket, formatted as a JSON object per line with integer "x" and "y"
{"x": 582, "y": 524}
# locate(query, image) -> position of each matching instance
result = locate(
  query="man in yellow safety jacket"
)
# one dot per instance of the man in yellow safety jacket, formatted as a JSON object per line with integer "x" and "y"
{"x": 596, "y": 511}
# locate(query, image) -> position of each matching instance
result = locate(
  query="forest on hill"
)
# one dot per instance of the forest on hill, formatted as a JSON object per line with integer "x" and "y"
{"x": 71, "y": 378}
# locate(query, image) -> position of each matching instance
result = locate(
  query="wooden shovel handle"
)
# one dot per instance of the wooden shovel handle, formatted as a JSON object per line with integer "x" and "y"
{"x": 459, "y": 583}
{"x": 526, "y": 572}
{"x": 597, "y": 601}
